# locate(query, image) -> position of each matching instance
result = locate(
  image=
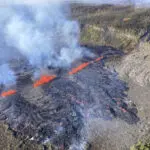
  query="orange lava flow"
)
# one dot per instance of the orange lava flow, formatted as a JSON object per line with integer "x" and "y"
{"x": 47, "y": 78}
{"x": 8, "y": 93}
{"x": 99, "y": 58}
{"x": 79, "y": 68}
{"x": 43, "y": 80}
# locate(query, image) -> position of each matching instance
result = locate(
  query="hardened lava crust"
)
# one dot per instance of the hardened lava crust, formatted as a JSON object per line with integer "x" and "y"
{"x": 58, "y": 111}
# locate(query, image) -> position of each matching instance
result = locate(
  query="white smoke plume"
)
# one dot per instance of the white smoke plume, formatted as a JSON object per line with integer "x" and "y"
{"x": 7, "y": 76}
{"x": 43, "y": 34}
{"x": 121, "y": 2}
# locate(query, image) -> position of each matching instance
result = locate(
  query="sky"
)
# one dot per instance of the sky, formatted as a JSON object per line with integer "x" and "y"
{"x": 137, "y": 2}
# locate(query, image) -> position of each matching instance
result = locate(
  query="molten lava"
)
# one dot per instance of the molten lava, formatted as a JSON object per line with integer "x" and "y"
{"x": 8, "y": 93}
{"x": 79, "y": 68}
{"x": 46, "y": 78}
{"x": 99, "y": 58}
{"x": 84, "y": 65}
{"x": 43, "y": 80}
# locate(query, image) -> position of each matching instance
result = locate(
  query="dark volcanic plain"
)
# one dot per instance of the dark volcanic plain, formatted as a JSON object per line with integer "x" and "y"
{"x": 59, "y": 111}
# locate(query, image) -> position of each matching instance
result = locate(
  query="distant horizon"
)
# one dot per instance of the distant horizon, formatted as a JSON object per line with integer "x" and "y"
{"x": 120, "y": 2}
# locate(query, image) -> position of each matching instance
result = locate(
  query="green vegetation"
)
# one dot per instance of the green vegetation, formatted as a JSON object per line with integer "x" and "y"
{"x": 109, "y": 36}
{"x": 9, "y": 142}
{"x": 141, "y": 146}
{"x": 110, "y": 15}
{"x": 105, "y": 25}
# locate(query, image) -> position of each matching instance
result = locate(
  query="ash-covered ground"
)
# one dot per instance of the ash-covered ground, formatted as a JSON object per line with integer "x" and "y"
{"x": 58, "y": 112}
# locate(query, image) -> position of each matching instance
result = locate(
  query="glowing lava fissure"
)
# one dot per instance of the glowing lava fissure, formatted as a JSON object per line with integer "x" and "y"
{"x": 43, "y": 80}
{"x": 79, "y": 68}
{"x": 98, "y": 59}
{"x": 63, "y": 110}
{"x": 8, "y": 93}
{"x": 84, "y": 65}
{"x": 48, "y": 78}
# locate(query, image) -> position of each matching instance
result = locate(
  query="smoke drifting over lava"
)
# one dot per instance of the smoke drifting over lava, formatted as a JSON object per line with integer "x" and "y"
{"x": 42, "y": 34}
{"x": 7, "y": 76}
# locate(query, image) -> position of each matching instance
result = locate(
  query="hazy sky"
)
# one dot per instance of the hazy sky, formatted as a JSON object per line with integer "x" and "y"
{"x": 5, "y": 2}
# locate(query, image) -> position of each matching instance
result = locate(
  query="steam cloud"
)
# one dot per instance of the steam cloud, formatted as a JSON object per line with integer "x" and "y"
{"x": 122, "y": 2}
{"x": 43, "y": 34}
{"x": 7, "y": 76}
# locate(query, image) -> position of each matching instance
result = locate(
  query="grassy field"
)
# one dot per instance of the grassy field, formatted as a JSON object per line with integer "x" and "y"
{"x": 116, "y": 26}
{"x": 9, "y": 142}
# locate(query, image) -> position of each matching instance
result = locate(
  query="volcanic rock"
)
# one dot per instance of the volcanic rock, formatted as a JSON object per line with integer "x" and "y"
{"x": 58, "y": 111}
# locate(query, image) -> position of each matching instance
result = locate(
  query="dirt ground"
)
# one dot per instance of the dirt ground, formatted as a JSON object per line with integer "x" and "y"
{"x": 118, "y": 135}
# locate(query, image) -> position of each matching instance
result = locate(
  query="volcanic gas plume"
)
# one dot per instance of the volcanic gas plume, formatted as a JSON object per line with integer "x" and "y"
{"x": 43, "y": 35}
{"x": 7, "y": 76}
